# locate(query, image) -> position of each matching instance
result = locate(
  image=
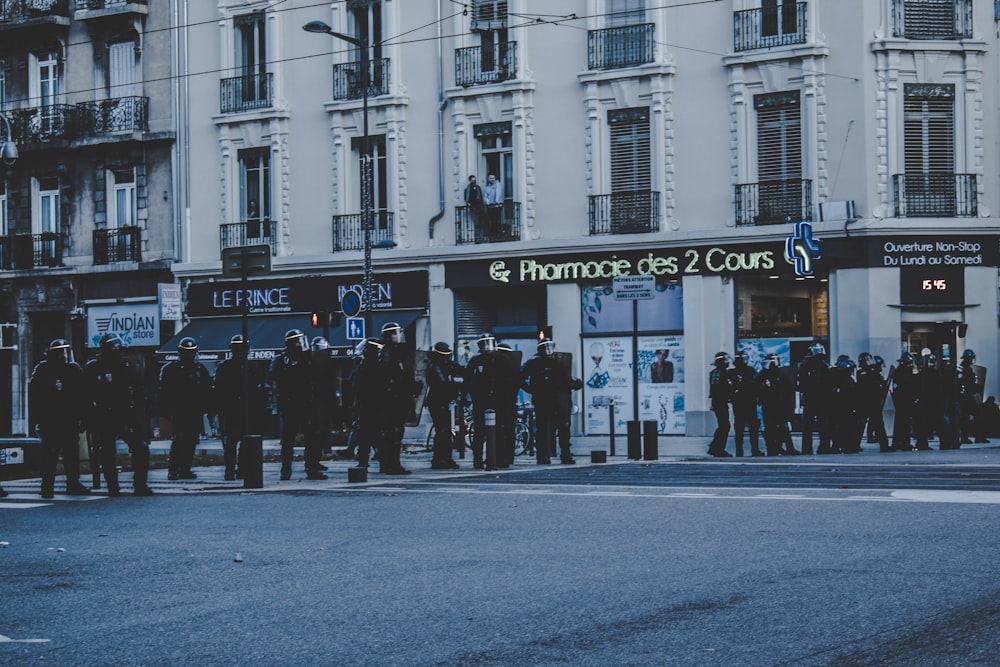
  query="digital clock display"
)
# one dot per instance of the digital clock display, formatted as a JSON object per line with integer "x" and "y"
{"x": 931, "y": 285}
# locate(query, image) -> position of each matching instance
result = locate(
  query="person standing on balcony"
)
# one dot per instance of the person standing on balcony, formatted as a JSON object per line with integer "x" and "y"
{"x": 493, "y": 196}
{"x": 474, "y": 203}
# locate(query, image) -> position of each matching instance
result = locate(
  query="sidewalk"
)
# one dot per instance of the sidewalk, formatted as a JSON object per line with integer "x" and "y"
{"x": 671, "y": 449}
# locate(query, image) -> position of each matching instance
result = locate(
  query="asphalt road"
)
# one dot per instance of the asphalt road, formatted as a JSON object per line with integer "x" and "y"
{"x": 681, "y": 566}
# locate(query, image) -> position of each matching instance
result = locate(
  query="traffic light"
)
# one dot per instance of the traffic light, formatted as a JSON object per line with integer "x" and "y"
{"x": 319, "y": 318}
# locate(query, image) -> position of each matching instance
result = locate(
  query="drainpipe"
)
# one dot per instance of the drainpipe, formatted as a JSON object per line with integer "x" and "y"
{"x": 442, "y": 103}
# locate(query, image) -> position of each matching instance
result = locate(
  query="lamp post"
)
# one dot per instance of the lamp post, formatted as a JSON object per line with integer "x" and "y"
{"x": 8, "y": 149}
{"x": 366, "y": 165}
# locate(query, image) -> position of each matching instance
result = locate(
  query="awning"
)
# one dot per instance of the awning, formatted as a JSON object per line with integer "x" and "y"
{"x": 267, "y": 333}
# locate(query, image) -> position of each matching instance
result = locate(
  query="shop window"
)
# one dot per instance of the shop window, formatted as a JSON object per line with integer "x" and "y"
{"x": 781, "y": 316}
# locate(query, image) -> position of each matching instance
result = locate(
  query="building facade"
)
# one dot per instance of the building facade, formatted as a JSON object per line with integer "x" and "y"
{"x": 653, "y": 166}
{"x": 87, "y": 210}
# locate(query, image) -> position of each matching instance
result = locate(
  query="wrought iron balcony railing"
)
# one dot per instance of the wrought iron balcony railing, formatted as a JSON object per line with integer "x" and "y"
{"x": 488, "y": 224}
{"x": 774, "y": 202}
{"x": 475, "y": 66}
{"x": 117, "y": 245}
{"x": 932, "y": 19}
{"x": 18, "y": 10}
{"x": 251, "y": 232}
{"x": 116, "y": 116}
{"x": 348, "y": 234}
{"x": 614, "y": 48}
{"x": 107, "y": 4}
{"x": 246, "y": 93}
{"x": 767, "y": 28}
{"x": 45, "y": 123}
{"x": 31, "y": 251}
{"x": 347, "y": 79}
{"x": 632, "y": 212}
{"x": 935, "y": 195}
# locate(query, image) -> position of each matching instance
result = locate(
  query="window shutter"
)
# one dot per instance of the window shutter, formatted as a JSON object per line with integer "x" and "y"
{"x": 473, "y": 317}
{"x": 630, "y": 150}
{"x": 779, "y": 136}
{"x": 626, "y": 12}
{"x": 929, "y": 129}
{"x": 121, "y": 69}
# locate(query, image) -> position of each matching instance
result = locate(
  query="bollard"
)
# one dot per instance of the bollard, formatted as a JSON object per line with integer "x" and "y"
{"x": 355, "y": 475}
{"x": 611, "y": 421}
{"x": 634, "y": 446}
{"x": 650, "y": 436}
{"x": 252, "y": 461}
{"x": 490, "y": 430}
{"x": 598, "y": 456}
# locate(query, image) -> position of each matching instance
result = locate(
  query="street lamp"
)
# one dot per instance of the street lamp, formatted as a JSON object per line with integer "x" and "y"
{"x": 366, "y": 165}
{"x": 8, "y": 149}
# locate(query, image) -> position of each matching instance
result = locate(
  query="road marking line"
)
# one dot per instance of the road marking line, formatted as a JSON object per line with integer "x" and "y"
{"x": 610, "y": 493}
{"x": 56, "y": 498}
{"x": 4, "y": 639}
{"x": 22, "y": 506}
{"x": 779, "y": 495}
{"x": 693, "y": 495}
{"x": 940, "y": 496}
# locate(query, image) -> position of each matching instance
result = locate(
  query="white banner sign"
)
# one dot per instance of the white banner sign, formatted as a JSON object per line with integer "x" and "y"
{"x": 170, "y": 301}
{"x": 136, "y": 324}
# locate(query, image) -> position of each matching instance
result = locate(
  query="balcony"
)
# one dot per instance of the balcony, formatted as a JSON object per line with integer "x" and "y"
{"x": 42, "y": 124}
{"x": 765, "y": 29}
{"x": 31, "y": 251}
{"x": 935, "y": 195}
{"x": 773, "y": 202}
{"x": 251, "y": 232}
{"x": 614, "y": 48}
{"x": 475, "y": 66}
{"x": 490, "y": 224}
{"x": 246, "y": 93}
{"x": 117, "y": 245}
{"x": 932, "y": 19}
{"x": 34, "y": 11}
{"x": 347, "y": 80}
{"x": 348, "y": 234}
{"x": 97, "y": 9}
{"x": 632, "y": 212}
{"x": 122, "y": 115}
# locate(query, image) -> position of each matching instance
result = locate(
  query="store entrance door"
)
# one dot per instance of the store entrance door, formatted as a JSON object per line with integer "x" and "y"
{"x": 941, "y": 338}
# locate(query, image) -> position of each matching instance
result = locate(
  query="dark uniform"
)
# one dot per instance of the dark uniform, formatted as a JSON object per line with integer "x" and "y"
{"x": 904, "y": 386}
{"x": 290, "y": 376}
{"x": 872, "y": 388}
{"x": 57, "y": 406}
{"x": 489, "y": 385}
{"x": 399, "y": 392}
{"x": 366, "y": 388}
{"x": 550, "y": 383}
{"x": 745, "y": 405}
{"x": 843, "y": 408}
{"x": 323, "y": 383}
{"x": 720, "y": 394}
{"x": 229, "y": 401}
{"x": 970, "y": 396}
{"x": 444, "y": 379}
{"x": 776, "y": 396}
{"x": 117, "y": 410}
{"x": 813, "y": 382}
{"x": 185, "y": 397}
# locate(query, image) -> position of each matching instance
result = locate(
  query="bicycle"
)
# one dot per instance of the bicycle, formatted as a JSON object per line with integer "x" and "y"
{"x": 524, "y": 430}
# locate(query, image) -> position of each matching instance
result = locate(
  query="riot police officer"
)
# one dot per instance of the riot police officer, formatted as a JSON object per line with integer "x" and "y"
{"x": 872, "y": 389}
{"x": 444, "y": 380}
{"x": 813, "y": 382}
{"x": 367, "y": 392}
{"x": 185, "y": 398}
{"x": 776, "y": 396}
{"x": 970, "y": 396}
{"x": 399, "y": 387}
{"x": 324, "y": 394}
{"x": 230, "y": 403}
{"x": 486, "y": 377}
{"x": 290, "y": 376}
{"x": 720, "y": 394}
{"x": 550, "y": 384}
{"x": 904, "y": 387}
{"x": 116, "y": 406}
{"x": 745, "y": 405}
{"x": 57, "y": 404}
{"x": 843, "y": 408}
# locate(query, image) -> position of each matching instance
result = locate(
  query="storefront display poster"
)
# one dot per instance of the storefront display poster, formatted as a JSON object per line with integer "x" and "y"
{"x": 607, "y": 377}
{"x": 755, "y": 349}
{"x": 661, "y": 382}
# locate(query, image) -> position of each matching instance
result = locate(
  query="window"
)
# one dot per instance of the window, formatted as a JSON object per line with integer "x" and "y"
{"x": 782, "y": 194}
{"x": 489, "y": 14}
{"x": 380, "y": 176}
{"x": 495, "y": 145}
{"x": 251, "y": 57}
{"x": 778, "y": 17}
{"x": 121, "y": 198}
{"x": 44, "y": 88}
{"x": 626, "y": 12}
{"x": 3, "y": 208}
{"x": 121, "y": 69}
{"x": 367, "y": 19}
{"x": 929, "y": 129}
{"x": 255, "y": 184}
{"x": 46, "y": 218}
{"x": 630, "y": 150}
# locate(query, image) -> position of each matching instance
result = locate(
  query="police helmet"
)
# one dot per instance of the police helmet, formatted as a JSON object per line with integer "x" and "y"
{"x": 772, "y": 361}
{"x": 930, "y": 360}
{"x": 239, "y": 345}
{"x": 110, "y": 343}
{"x": 368, "y": 349}
{"x": 865, "y": 360}
{"x": 442, "y": 348}
{"x": 905, "y": 359}
{"x": 392, "y": 333}
{"x": 59, "y": 351}
{"x": 969, "y": 355}
{"x": 319, "y": 344}
{"x": 844, "y": 361}
{"x": 295, "y": 340}
{"x": 546, "y": 346}
{"x": 817, "y": 349}
{"x": 187, "y": 348}
{"x": 878, "y": 363}
{"x": 722, "y": 359}
{"x": 487, "y": 343}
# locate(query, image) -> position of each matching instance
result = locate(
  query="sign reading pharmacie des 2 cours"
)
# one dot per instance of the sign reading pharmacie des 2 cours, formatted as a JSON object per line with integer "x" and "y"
{"x": 407, "y": 289}
{"x": 660, "y": 263}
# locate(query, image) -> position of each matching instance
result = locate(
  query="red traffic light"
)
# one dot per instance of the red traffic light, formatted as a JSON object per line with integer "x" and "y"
{"x": 317, "y": 319}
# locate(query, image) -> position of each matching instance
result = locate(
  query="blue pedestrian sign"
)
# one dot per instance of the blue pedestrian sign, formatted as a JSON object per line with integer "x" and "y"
{"x": 350, "y": 303}
{"x": 355, "y": 328}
